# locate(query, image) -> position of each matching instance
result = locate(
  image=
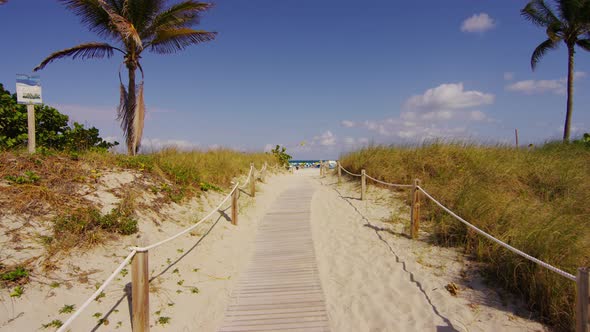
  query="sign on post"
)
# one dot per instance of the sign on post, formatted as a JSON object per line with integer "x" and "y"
{"x": 28, "y": 91}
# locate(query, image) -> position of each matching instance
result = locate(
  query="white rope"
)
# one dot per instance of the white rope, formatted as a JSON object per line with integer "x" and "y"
{"x": 134, "y": 250}
{"x": 507, "y": 246}
{"x": 344, "y": 169}
{"x": 389, "y": 184}
{"x": 248, "y": 178}
{"x": 98, "y": 291}
{"x": 188, "y": 229}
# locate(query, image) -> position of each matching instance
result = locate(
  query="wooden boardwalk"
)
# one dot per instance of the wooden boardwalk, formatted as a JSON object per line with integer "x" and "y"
{"x": 281, "y": 290}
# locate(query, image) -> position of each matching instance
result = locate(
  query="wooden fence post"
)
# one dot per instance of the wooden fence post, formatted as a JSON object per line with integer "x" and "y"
{"x": 321, "y": 168}
{"x": 339, "y": 173}
{"x": 582, "y": 299}
{"x": 234, "y": 207}
{"x": 363, "y": 184}
{"x": 253, "y": 182}
{"x": 263, "y": 174}
{"x": 415, "y": 210}
{"x": 31, "y": 127}
{"x": 140, "y": 292}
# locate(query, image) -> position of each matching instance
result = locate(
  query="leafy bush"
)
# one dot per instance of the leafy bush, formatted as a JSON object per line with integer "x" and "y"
{"x": 280, "y": 154}
{"x": 52, "y": 129}
{"x": 584, "y": 140}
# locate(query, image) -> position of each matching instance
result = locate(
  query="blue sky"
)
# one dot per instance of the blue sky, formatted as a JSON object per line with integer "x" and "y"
{"x": 333, "y": 74}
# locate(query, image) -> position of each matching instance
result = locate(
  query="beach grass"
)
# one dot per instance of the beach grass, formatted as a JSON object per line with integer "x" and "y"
{"x": 535, "y": 199}
{"x": 49, "y": 182}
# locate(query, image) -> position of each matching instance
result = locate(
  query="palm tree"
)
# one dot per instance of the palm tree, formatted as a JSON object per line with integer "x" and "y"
{"x": 571, "y": 22}
{"x": 135, "y": 26}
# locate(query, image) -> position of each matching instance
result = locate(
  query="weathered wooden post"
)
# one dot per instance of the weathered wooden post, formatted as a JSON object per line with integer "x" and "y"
{"x": 339, "y": 173}
{"x": 363, "y": 184}
{"x": 415, "y": 210}
{"x": 252, "y": 182}
{"x": 140, "y": 292}
{"x": 31, "y": 127}
{"x": 321, "y": 168}
{"x": 234, "y": 207}
{"x": 263, "y": 175}
{"x": 582, "y": 299}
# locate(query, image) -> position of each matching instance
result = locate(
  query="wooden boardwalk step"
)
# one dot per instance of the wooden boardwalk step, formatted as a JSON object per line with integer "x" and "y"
{"x": 280, "y": 290}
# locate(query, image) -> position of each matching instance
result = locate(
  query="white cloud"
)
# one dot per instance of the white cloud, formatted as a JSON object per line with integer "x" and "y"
{"x": 508, "y": 76}
{"x": 355, "y": 142}
{"x": 443, "y": 111}
{"x": 530, "y": 87}
{"x": 347, "y": 123}
{"x": 478, "y": 23}
{"x": 450, "y": 96}
{"x": 326, "y": 139}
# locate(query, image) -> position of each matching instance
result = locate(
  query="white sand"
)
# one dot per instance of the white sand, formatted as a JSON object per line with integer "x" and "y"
{"x": 210, "y": 265}
{"x": 374, "y": 278}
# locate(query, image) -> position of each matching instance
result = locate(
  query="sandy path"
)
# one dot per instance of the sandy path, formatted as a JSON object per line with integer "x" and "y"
{"x": 376, "y": 279}
{"x": 193, "y": 276}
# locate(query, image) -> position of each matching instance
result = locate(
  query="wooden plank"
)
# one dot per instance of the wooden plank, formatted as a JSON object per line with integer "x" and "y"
{"x": 280, "y": 290}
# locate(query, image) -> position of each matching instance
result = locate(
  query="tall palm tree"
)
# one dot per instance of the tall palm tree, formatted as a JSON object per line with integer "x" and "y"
{"x": 135, "y": 26}
{"x": 571, "y": 26}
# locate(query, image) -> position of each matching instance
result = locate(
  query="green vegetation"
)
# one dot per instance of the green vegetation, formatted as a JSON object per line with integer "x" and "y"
{"x": 17, "y": 291}
{"x": 17, "y": 274}
{"x": 281, "y": 155}
{"x": 156, "y": 26}
{"x": 28, "y": 178}
{"x": 86, "y": 226}
{"x": 66, "y": 309}
{"x": 163, "y": 320}
{"x": 571, "y": 25}
{"x": 534, "y": 199}
{"x": 52, "y": 129}
{"x": 56, "y": 323}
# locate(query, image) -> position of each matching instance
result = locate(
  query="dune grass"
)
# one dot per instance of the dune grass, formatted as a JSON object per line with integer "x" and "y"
{"x": 534, "y": 199}
{"x": 48, "y": 183}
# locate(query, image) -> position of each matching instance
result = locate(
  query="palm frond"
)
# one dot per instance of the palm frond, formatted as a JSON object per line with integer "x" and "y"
{"x": 183, "y": 14}
{"x": 93, "y": 16}
{"x": 584, "y": 44}
{"x": 539, "y": 13}
{"x": 121, "y": 24}
{"x": 141, "y": 12}
{"x": 125, "y": 114}
{"x": 541, "y": 50}
{"x": 173, "y": 40}
{"x": 83, "y": 51}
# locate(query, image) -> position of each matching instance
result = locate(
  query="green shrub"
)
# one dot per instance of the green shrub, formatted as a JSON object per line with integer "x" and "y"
{"x": 51, "y": 128}
{"x": 281, "y": 155}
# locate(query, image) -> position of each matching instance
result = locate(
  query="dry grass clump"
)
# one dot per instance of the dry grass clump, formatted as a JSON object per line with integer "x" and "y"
{"x": 534, "y": 199}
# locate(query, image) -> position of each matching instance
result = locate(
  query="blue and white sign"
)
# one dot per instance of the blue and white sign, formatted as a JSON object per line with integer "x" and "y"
{"x": 28, "y": 89}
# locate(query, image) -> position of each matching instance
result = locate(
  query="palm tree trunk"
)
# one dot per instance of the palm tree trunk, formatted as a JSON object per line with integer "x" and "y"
{"x": 131, "y": 101}
{"x": 570, "y": 94}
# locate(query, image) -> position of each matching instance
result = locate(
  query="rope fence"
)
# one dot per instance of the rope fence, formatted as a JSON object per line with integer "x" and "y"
{"x": 581, "y": 279}
{"x": 139, "y": 258}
